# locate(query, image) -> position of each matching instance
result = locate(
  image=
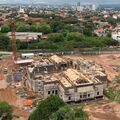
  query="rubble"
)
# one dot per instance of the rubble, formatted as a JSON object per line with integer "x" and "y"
{"x": 116, "y": 68}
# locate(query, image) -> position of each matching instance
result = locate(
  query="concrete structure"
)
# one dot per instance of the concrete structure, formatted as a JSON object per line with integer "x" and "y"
{"x": 27, "y": 55}
{"x": 116, "y": 33}
{"x": 79, "y": 8}
{"x": 116, "y": 36}
{"x": 90, "y": 7}
{"x": 71, "y": 79}
{"x": 93, "y": 7}
{"x": 21, "y": 11}
{"x": 26, "y": 36}
{"x": 27, "y": 61}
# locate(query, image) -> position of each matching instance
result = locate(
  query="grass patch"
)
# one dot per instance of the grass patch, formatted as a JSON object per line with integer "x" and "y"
{"x": 117, "y": 79}
{"x": 112, "y": 95}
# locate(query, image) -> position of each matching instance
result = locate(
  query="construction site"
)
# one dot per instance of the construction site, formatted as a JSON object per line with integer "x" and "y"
{"x": 71, "y": 79}
{"x": 74, "y": 78}
{"x": 28, "y": 78}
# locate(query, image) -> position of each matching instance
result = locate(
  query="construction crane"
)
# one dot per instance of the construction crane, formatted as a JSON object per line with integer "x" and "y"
{"x": 13, "y": 37}
{"x": 14, "y": 48}
{"x": 11, "y": 22}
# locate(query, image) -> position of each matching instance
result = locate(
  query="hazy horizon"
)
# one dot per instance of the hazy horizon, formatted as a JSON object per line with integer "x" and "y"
{"x": 61, "y": 1}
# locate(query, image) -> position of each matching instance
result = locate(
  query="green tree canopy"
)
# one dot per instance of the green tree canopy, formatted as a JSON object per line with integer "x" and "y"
{"x": 33, "y": 28}
{"x": 43, "y": 27}
{"x": 22, "y": 27}
{"x": 56, "y": 37}
{"x": 67, "y": 113}
{"x": 87, "y": 31}
{"x": 108, "y": 41}
{"x": 70, "y": 20}
{"x": 5, "y": 111}
{"x": 4, "y": 42}
{"x": 46, "y": 108}
{"x": 5, "y": 28}
{"x": 74, "y": 36}
{"x": 57, "y": 26}
{"x": 112, "y": 21}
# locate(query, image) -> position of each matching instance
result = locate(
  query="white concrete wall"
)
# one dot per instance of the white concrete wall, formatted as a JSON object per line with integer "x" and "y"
{"x": 82, "y": 90}
{"x": 50, "y": 87}
{"x": 70, "y": 94}
{"x": 90, "y": 92}
{"x": 98, "y": 88}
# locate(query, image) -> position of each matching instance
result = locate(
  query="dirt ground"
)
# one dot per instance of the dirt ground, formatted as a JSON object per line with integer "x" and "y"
{"x": 98, "y": 111}
{"x": 103, "y": 110}
{"x": 8, "y": 94}
{"x": 23, "y": 115}
{"x": 106, "y": 61}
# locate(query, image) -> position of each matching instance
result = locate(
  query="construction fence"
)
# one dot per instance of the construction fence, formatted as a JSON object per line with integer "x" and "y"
{"x": 84, "y": 51}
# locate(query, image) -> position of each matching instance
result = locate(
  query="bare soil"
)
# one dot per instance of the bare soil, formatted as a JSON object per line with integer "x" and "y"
{"x": 103, "y": 111}
{"x": 8, "y": 94}
{"x": 107, "y": 61}
{"x": 98, "y": 111}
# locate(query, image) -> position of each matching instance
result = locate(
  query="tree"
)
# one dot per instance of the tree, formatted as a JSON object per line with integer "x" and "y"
{"x": 109, "y": 41}
{"x": 41, "y": 44}
{"x": 67, "y": 113}
{"x": 46, "y": 108}
{"x": 33, "y": 28}
{"x": 74, "y": 36}
{"x": 43, "y": 27}
{"x": 23, "y": 27}
{"x": 87, "y": 31}
{"x": 112, "y": 21}
{"x": 68, "y": 46}
{"x": 80, "y": 114}
{"x": 109, "y": 35}
{"x": 5, "y": 111}
{"x": 64, "y": 113}
{"x": 70, "y": 20}
{"x": 19, "y": 44}
{"x": 5, "y": 28}
{"x": 57, "y": 26}
{"x": 56, "y": 37}
{"x": 4, "y": 42}
{"x": 22, "y": 45}
{"x": 96, "y": 42}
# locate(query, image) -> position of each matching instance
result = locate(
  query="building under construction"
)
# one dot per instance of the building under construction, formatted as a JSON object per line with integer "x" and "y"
{"x": 72, "y": 79}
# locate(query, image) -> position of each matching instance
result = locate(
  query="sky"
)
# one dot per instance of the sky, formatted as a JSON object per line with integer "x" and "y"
{"x": 63, "y": 1}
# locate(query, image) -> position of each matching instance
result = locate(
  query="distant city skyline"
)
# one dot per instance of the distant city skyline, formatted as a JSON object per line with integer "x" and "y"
{"x": 61, "y": 1}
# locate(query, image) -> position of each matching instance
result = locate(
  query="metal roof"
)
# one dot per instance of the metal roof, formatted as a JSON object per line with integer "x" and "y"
{"x": 27, "y": 54}
{"x": 24, "y": 61}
